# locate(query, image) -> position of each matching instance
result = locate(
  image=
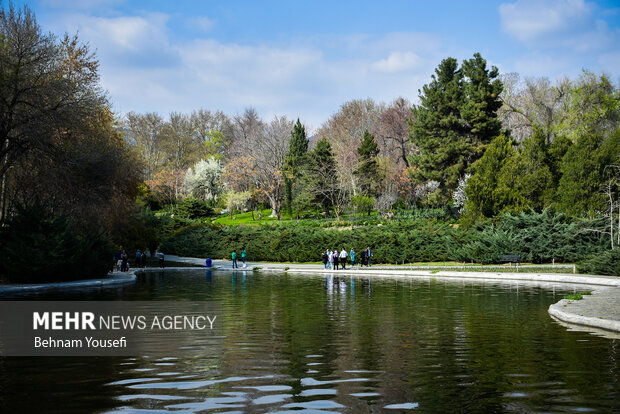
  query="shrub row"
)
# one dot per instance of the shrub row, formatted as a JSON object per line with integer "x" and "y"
{"x": 37, "y": 247}
{"x": 537, "y": 237}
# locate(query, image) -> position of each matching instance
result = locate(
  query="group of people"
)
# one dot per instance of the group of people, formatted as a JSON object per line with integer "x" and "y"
{"x": 121, "y": 259}
{"x": 234, "y": 259}
{"x": 334, "y": 259}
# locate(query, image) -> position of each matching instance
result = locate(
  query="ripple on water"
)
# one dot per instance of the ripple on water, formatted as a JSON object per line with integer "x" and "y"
{"x": 271, "y": 399}
{"x": 189, "y": 385}
{"x": 307, "y": 382}
{"x": 317, "y": 405}
{"x": 149, "y": 397}
{"x": 267, "y": 388}
{"x": 132, "y": 381}
{"x": 402, "y": 406}
{"x": 214, "y": 403}
{"x": 318, "y": 391}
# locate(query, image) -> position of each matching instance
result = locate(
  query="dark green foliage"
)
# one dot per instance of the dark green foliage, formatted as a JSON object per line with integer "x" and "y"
{"x": 479, "y": 110}
{"x": 295, "y": 163}
{"x": 139, "y": 230}
{"x": 391, "y": 243}
{"x": 37, "y": 247}
{"x": 193, "y": 208}
{"x": 526, "y": 181}
{"x": 484, "y": 198}
{"x": 320, "y": 174}
{"x": 368, "y": 168}
{"x": 579, "y": 191}
{"x": 455, "y": 121}
{"x": 605, "y": 263}
{"x": 536, "y": 237}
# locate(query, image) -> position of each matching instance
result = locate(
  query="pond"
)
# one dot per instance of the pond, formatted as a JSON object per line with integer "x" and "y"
{"x": 337, "y": 344}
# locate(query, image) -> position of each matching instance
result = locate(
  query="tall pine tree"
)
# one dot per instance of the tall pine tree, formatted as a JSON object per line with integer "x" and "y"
{"x": 321, "y": 176}
{"x": 455, "y": 122}
{"x": 295, "y": 162}
{"x": 368, "y": 168}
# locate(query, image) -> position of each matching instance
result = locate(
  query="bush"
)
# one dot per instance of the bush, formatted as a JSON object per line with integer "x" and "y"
{"x": 192, "y": 208}
{"x": 391, "y": 243}
{"x": 606, "y": 263}
{"x": 536, "y": 237}
{"x": 37, "y": 247}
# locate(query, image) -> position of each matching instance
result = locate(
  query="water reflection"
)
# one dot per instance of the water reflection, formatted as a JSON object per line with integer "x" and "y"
{"x": 342, "y": 344}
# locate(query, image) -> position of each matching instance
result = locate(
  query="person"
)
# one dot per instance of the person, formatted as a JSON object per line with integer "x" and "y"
{"x": 161, "y": 259}
{"x": 330, "y": 258}
{"x": 325, "y": 258}
{"x": 352, "y": 254}
{"x": 124, "y": 260}
{"x": 117, "y": 260}
{"x": 343, "y": 259}
{"x": 138, "y": 257}
{"x": 368, "y": 255}
{"x": 363, "y": 258}
{"x": 336, "y": 259}
{"x": 243, "y": 257}
{"x": 234, "y": 260}
{"x": 143, "y": 262}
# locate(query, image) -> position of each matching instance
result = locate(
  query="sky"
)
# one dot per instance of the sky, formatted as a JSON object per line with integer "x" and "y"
{"x": 305, "y": 59}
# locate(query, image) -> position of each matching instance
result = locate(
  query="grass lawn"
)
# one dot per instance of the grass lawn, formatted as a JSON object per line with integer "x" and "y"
{"x": 246, "y": 218}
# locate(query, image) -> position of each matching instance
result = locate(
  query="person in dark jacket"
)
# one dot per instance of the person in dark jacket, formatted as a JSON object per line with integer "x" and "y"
{"x": 336, "y": 259}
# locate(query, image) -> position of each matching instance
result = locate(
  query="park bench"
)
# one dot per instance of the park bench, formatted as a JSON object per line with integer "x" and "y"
{"x": 510, "y": 258}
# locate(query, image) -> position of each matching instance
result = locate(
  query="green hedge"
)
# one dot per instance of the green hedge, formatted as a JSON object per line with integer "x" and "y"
{"x": 537, "y": 237}
{"x": 38, "y": 247}
{"x": 607, "y": 263}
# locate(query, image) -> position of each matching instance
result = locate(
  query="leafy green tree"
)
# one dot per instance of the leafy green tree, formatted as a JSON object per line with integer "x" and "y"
{"x": 455, "y": 121}
{"x": 592, "y": 106}
{"x": 525, "y": 181}
{"x": 320, "y": 174}
{"x": 40, "y": 247}
{"x": 294, "y": 163}
{"x": 580, "y": 188}
{"x": 368, "y": 167}
{"x": 485, "y": 198}
{"x": 555, "y": 153}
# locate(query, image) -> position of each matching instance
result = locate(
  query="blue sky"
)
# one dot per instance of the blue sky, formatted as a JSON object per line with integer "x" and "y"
{"x": 304, "y": 59}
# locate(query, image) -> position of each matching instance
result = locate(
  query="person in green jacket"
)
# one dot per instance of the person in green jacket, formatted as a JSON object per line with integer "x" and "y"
{"x": 234, "y": 260}
{"x": 243, "y": 257}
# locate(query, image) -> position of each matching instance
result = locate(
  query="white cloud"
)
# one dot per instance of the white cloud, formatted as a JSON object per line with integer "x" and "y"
{"x": 203, "y": 23}
{"x": 397, "y": 62}
{"x": 145, "y": 70}
{"x": 537, "y": 20}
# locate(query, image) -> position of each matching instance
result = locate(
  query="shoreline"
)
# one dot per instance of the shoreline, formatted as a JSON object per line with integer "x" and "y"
{"x": 599, "y": 311}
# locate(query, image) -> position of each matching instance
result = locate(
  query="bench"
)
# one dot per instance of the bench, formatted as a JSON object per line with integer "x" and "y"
{"x": 510, "y": 258}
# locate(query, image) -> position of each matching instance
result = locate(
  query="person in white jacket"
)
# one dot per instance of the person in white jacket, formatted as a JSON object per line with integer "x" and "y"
{"x": 343, "y": 259}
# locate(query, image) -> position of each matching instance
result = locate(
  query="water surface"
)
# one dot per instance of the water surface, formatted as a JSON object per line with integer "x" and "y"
{"x": 308, "y": 343}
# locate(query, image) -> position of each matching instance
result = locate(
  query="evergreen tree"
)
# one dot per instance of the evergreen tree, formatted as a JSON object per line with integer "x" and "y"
{"x": 455, "y": 122}
{"x": 295, "y": 162}
{"x": 579, "y": 191}
{"x": 368, "y": 168}
{"x": 484, "y": 196}
{"x": 526, "y": 182}
{"x": 320, "y": 176}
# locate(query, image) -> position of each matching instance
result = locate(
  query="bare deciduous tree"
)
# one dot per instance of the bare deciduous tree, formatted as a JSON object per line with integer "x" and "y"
{"x": 144, "y": 132}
